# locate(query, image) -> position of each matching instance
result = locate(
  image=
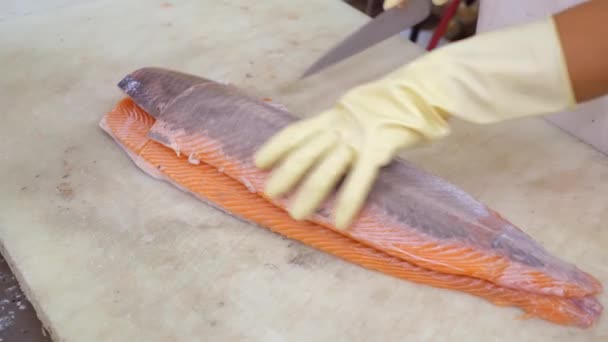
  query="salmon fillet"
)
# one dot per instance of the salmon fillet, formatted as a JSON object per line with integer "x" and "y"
{"x": 410, "y": 214}
{"x": 200, "y": 136}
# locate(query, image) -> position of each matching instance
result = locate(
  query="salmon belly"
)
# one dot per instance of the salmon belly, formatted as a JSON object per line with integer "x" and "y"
{"x": 194, "y": 164}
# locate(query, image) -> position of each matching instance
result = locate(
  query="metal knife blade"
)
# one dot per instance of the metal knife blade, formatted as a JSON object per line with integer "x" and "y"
{"x": 385, "y": 25}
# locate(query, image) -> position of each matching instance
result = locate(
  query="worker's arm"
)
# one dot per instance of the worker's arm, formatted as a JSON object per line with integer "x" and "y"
{"x": 511, "y": 73}
{"x": 584, "y": 39}
{"x": 583, "y": 31}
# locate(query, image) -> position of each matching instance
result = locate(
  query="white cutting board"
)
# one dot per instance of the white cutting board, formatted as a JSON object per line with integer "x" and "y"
{"x": 107, "y": 253}
{"x": 10, "y": 9}
{"x": 588, "y": 122}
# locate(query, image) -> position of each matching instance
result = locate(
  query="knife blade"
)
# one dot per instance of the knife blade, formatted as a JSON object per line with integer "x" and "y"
{"x": 385, "y": 25}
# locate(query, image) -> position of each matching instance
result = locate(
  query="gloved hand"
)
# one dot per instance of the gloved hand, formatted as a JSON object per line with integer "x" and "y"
{"x": 392, "y": 3}
{"x": 485, "y": 79}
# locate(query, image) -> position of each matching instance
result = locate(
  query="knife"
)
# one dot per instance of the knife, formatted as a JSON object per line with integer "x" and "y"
{"x": 385, "y": 25}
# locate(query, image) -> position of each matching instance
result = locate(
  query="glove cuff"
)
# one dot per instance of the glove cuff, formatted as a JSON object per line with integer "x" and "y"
{"x": 495, "y": 76}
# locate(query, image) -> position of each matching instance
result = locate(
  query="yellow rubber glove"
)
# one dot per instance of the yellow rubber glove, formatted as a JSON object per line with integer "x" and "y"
{"x": 392, "y": 3}
{"x": 488, "y": 78}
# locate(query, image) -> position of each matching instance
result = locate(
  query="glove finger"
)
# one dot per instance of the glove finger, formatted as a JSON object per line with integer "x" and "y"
{"x": 321, "y": 182}
{"x": 297, "y": 163}
{"x": 355, "y": 191}
{"x": 286, "y": 140}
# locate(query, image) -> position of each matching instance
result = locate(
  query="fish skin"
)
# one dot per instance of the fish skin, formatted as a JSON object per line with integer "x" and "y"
{"x": 410, "y": 214}
{"x": 128, "y": 125}
{"x": 161, "y": 86}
